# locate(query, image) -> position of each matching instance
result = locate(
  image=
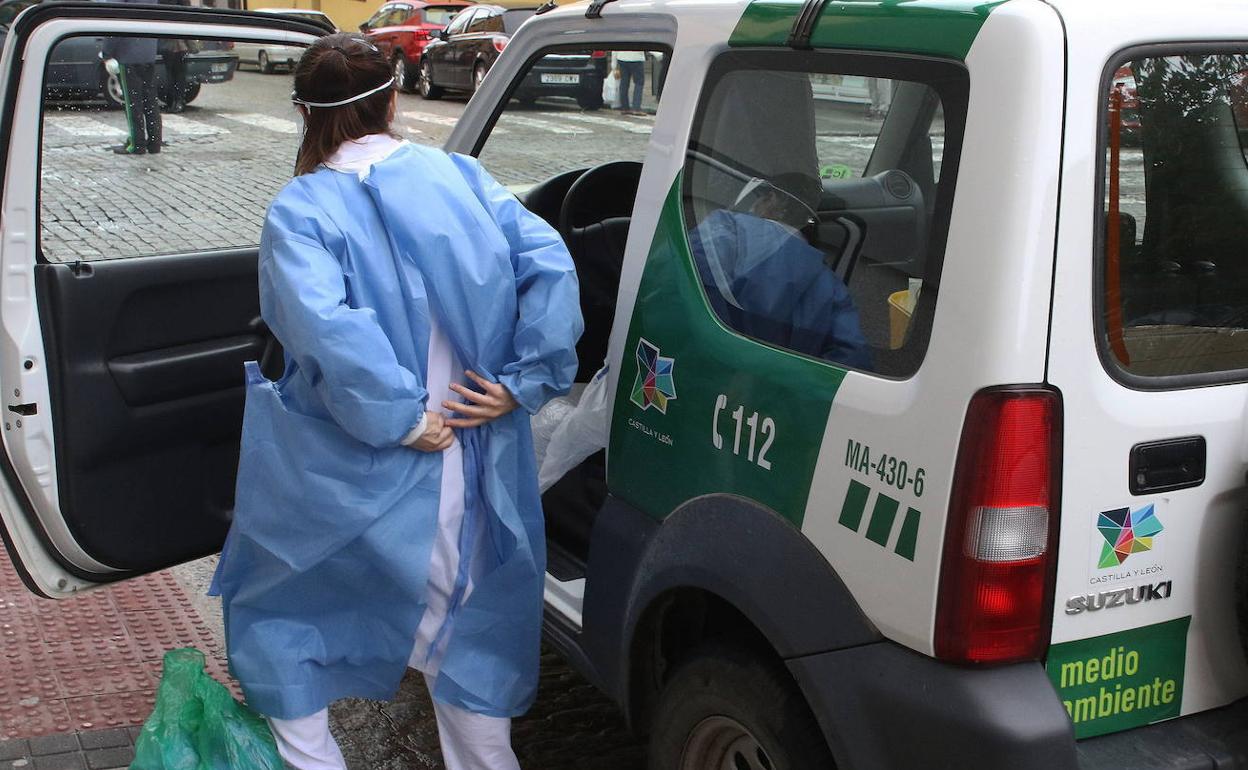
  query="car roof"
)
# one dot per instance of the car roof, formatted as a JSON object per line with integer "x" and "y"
{"x": 307, "y": 11}
{"x": 419, "y": 4}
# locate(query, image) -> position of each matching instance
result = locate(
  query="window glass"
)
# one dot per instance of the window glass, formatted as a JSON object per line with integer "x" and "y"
{"x": 485, "y": 21}
{"x": 1174, "y": 278}
{"x": 457, "y": 24}
{"x": 441, "y": 14}
{"x": 822, "y": 233}
{"x": 512, "y": 19}
{"x": 226, "y": 144}
{"x": 558, "y": 118}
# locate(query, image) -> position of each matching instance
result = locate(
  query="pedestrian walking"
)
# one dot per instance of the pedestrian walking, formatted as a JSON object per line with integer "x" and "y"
{"x": 387, "y": 511}
{"x": 631, "y": 69}
{"x": 135, "y": 67}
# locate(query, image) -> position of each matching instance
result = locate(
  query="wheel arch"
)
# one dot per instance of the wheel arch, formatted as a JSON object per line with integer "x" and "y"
{"x": 719, "y": 565}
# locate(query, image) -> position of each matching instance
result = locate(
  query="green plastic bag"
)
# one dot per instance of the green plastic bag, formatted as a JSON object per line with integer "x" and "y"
{"x": 197, "y": 724}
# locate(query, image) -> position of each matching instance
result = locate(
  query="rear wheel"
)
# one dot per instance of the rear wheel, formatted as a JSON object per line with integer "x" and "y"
{"x": 402, "y": 73}
{"x": 427, "y": 89}
{"x": 727, "y": 708}
{"x": 112, "y": 90}
{"x": 266, "y": 66}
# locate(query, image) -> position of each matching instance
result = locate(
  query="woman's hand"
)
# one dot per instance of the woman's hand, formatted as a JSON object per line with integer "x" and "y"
{"x": 437, "y": 436}
{"x": 495, "y": 402}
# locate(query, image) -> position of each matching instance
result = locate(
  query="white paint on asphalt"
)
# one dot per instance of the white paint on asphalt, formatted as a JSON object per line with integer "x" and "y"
{"x": 542, "y": 125}
{"x": 176, "y": 124}
{"x": 81, "y": 125}
{"x": 429, "y": 117}
{"x": 267, "y": 122}
{"x": 602, "y": 120}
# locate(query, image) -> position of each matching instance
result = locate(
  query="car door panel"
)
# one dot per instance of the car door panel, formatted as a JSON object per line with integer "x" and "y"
{"x": 124, "y": 376}
{"x": 149, "y": 413}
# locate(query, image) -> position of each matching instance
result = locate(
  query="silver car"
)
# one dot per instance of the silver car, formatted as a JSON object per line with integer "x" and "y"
{"x": 269, "y": 57}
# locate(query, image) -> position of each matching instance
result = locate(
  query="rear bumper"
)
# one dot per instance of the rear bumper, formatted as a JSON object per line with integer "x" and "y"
{"x": 884, "y": 706}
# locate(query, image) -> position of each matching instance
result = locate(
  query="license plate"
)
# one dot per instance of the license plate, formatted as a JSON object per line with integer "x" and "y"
{"x": 223, "y": 67}
{"x": 569, "y": 79}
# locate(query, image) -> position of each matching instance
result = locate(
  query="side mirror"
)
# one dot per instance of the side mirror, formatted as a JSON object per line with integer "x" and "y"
{"x": 363, "y": 26}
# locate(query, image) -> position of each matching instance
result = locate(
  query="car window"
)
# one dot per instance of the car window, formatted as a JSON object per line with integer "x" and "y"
{"x": 557, "y": 118}
{"x": 459, "y": 22}
{"x": 401, "y": 14}
{"x": 114, "y": 185}
{"x": 1174, "y": 299}
{"x": 816, "y": 234}
{"x": 512, "y": 19}
{"x": 441, "y": 15}
{"x": 486, "y": 21}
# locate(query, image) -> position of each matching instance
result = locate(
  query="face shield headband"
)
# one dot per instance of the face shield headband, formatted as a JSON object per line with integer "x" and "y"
{"x": 294, "y": 97}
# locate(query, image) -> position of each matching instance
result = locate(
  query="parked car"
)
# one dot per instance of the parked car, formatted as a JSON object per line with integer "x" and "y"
{"x": 77, "y": 73}
{"x": 1001, "y": 526}
{"x": 402, "y": 30}
{"x": 463, "y": 53}
{"x": 269, "y": 57}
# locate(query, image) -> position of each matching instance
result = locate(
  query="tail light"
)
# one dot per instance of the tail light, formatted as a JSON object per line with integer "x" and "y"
{"x": 598, "y": 55}
{"x": 421, "y": 34}
{"x": 996, "y": 582}
{"x": 500, "y": 43}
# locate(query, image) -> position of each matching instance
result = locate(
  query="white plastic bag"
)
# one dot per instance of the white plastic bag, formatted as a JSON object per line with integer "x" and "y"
{"x": 611, "y": 88}
{"x": 579, "y": 432}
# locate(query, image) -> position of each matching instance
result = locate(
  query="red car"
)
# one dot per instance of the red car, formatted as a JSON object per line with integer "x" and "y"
{"x": 402, "y": 29}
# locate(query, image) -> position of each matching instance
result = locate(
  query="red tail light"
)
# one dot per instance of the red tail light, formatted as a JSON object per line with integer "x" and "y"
{"x": 598, "y": 55}
{"x": 421, "y": 33}
{"x": 996, "y": 580}
{"x": 500, "y": 43}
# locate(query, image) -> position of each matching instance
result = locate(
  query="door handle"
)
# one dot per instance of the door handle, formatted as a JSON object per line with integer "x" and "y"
{"x": 1164, "y": 466}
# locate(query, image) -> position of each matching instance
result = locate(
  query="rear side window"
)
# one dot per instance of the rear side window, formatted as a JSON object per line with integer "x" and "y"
{"x": 486, "y": 21}
{"x": 441, "y": 15}
{"x": 822, "y": 233}
{"x": 1173, "y": 269}
{"x": 513, "y": 19}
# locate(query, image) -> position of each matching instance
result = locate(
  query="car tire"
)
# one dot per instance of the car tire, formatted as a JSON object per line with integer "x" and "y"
{"x": 192, "y": 92}
{"x": 589, "y": 101}
{"x": 478, "y": 76}
{"x": 113, "y": 96}
{"x": 727, "y": 706}
{"x": 262, "y": 60}
{"x": 427, "y": 89}
{"x": 402, "y": 73}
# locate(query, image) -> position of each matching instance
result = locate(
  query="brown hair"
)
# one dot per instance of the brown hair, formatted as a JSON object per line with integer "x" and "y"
{"x": 334, "y": 68}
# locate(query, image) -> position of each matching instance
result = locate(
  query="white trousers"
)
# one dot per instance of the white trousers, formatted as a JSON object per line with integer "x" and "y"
{"x": 469, "y": 741}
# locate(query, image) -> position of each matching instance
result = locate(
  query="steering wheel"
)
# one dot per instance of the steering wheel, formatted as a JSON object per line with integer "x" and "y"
{"x": 603, "y": 192}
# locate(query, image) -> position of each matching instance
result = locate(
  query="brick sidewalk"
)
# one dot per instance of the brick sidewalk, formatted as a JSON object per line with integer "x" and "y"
{"x": 88, "y": 665}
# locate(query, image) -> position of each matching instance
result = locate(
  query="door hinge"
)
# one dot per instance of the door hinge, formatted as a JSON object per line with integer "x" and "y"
{"x": 25, "y": 410}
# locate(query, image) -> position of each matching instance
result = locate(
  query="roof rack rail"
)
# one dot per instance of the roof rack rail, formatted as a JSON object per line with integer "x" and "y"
{"x": 595, "y": 9}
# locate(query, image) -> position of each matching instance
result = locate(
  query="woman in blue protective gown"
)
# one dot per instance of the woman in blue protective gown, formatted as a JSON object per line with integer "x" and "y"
{"x": 387, "y": 510}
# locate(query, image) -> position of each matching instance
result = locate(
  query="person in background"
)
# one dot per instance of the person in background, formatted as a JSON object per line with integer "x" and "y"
{"x": 631, "y": 68}
{"x": 173, "y": 52}
{"x": 387, "y": 512}
{"x": 135, "y": 59}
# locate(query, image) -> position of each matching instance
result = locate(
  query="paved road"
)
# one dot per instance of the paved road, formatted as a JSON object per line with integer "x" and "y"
{"x": 234, "y": 147}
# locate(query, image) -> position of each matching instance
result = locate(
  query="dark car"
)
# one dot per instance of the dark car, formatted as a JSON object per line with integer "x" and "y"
{"x": 464, "y": 52}
{"x": 402, "y": 30}
{"x": 76, "y": 70}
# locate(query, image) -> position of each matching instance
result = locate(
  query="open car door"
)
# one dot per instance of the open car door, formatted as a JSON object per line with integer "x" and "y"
{"x": 128, "y": 298}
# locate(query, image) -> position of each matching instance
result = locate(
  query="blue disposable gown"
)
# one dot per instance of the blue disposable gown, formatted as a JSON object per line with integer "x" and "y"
{"x": 766, "y": 281}
{"x": 324, "y": 572}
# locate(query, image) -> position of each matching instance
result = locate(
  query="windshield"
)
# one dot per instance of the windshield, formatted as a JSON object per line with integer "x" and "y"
{"x": 441, "y": 14}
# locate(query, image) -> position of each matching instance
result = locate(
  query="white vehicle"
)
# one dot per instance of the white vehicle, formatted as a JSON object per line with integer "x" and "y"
{"x": 926, "y": 435}
{"x": 269, "y": 57}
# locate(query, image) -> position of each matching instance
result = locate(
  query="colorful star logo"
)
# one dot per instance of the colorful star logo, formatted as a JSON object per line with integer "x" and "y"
{"x": 1126, "y": 532}
{"x": 654, "y": 385}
